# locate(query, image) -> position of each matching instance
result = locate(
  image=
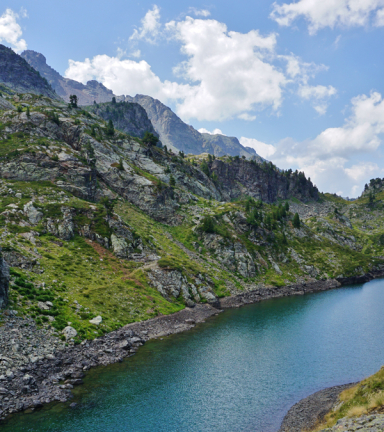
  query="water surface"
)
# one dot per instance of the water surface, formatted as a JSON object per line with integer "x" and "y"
{"x": 240, "y": 371}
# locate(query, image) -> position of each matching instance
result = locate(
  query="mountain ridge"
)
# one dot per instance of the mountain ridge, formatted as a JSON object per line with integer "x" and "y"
{"x": 173, "y": 132}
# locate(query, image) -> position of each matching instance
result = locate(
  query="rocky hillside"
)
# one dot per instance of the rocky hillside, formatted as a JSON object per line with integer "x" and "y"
{"x": 101, "y": 230}
{"x": 64, "y": 87}
{"x": 130, "y": 118}
{"x": 18, "y": 75}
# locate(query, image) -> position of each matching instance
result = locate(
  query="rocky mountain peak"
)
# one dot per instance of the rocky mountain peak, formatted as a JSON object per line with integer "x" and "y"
{"x": 18, "y": 75}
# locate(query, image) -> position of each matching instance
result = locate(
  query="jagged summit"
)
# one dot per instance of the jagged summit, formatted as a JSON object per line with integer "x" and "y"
{"x": 19, "y": 76}
{"x": 86, "y": 94}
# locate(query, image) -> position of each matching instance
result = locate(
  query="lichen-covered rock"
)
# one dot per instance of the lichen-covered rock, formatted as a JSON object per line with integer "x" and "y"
{"x": 32, "y": 213}
{"x": 232, "y": 254}
{"x": 69, "y": 332}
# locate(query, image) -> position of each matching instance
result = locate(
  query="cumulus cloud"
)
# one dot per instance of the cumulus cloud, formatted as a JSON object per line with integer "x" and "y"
{"x": 150, "y": 26}
{"x": 329, "y": 13}
{"x": 230, "y": 71}
{"x": 125, "y": 77}
{"x": 328, "y": 158}
{"x": 214, "y": 132}
{"x": 225, "y": 75}
{"x": 10, "y": 30}
{"x": 262, "y": 149}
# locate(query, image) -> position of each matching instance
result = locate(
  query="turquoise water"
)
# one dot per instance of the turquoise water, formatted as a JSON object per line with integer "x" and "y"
{"x": 240, "y": 371}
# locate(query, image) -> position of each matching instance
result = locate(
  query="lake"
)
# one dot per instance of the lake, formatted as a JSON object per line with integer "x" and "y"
{"x": 240, "y": 371}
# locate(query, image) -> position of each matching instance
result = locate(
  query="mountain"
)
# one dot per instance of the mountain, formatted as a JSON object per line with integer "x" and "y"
{"x": 64, "y": 87}
{"x": 173, "y": 132}
{"x": 18, "y": 75}
{"x": 176, "y": 134}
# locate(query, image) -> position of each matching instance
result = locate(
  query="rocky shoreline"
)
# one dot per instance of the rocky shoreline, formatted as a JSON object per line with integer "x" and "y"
{"x": 51, "y": 376}
{"x": 306, "y": 413}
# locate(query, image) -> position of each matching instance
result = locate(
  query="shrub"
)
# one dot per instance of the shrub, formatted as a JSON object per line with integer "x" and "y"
{"x": 296, "y": 220}
{"x": 208, "y": 225}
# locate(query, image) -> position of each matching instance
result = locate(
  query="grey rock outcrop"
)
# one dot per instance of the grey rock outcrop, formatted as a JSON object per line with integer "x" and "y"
{"x": 127, "y": 117}
{"x": 241, "y": 178}
{"x": 4, "y": 281}
{"x": 18, "y": 75}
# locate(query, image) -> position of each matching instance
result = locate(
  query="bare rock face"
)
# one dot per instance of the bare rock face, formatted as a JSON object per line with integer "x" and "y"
{"x": 261, "y": 182}
{"x": 127, "y": 117}
{"x": 18, "y": 75}
{"x": 4, "y": 281}
{"x": 176, "y": 134}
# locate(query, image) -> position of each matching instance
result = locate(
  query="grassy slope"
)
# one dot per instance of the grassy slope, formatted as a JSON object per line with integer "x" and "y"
{"x": 364, "y": 398}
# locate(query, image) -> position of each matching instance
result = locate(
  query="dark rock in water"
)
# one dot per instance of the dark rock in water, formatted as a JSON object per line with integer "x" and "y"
{"x": 73, "y": 405}
{"x": 4, "y": 282}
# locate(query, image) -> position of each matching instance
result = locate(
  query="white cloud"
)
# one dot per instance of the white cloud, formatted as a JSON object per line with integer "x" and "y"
{"x": 215, "y": 131}
{"x": 200, "y": 12}
{"x": 319, "y": 94}
{"x": 136, "y": 53}
{"x": 10, "y": 30}
{"x": 150, "y": 26}
{"x": 301, "y": 73}
{"x": 262, "y": 149}
{"x": 328, "y": 13}
{"x": 230, "y": 71}
{"x": 226, "y": 74}
{"x": 125, "y": 77}
{"x": 328, "y": 158}
{"x": 246, "y": 117}
{"x": 379, "y": 22}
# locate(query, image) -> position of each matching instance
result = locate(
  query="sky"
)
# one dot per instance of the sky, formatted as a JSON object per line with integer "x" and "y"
{"x": 300, "y": 81}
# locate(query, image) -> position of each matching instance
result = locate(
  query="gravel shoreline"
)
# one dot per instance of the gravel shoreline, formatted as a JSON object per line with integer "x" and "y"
{"x": 29, "y": 382}
{"x": 309, "y": 411}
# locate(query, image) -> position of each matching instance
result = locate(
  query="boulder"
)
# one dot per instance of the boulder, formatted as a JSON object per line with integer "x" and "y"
{"x": 32, "y": 213}
{"x": 69, "y": 332}
{"x": 98, "y": 320}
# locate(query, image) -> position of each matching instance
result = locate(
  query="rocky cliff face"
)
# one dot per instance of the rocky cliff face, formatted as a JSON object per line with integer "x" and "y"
{"x": 176, "y": 134}
{"x": 375, "y": 186}
{"x": 64, "y": 87}
{"x": 19, "y": 76}
{"x": 4, "y": 281}
{"x": 238, "y": 177}
{"x": 127, "y": 117}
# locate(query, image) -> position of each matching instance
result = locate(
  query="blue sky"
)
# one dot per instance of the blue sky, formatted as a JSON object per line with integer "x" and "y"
{"x": 301, "y": 82}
